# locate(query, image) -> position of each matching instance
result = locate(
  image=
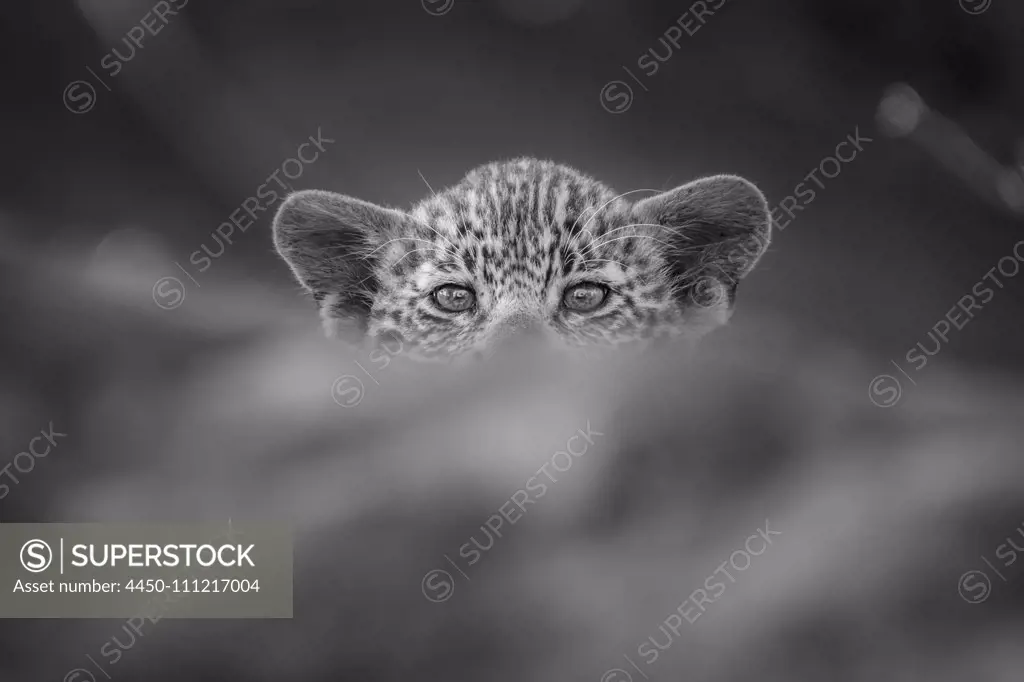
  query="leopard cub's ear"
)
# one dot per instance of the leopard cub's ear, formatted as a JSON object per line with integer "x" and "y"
{"x": 331, "y": 242}
{"x": 716, "y": 229}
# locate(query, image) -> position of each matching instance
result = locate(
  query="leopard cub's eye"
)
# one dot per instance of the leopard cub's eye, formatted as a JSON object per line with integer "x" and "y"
{"x": 585, "y": 297}
{"x": 453, "y": 298}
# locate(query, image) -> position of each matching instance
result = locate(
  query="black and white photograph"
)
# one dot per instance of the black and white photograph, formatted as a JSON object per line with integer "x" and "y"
{"x": 504, "y": 340}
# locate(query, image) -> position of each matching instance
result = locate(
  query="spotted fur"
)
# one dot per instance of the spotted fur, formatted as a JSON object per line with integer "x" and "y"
{"x": 519, "y": 233}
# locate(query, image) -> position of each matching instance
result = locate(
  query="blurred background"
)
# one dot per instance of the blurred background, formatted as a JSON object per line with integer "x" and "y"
{"x": 205, "y": 110}
{"x": 208, "y": 395}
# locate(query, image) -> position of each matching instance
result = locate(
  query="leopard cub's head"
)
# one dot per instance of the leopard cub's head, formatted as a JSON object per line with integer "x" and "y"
{"x": 526, "y": 249}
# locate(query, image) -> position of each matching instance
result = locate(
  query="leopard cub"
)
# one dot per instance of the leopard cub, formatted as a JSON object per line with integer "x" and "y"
{"x": 526, "y": 249}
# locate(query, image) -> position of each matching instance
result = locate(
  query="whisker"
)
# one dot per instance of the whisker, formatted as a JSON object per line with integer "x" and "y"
{"x": 360, "y": 282}
{"x": 580, "y": 234}
{"x": 632, "y": 236}
{"x": 432, "y": 229}
{"x": 398, "y": 239}
{"x": 373, "y": 274}
{"x": 424, "y": 224}
{"x": 426, "y": 183}
{"x": 598, "y": 210}
{"x": 659, "y": 226}
{"x": 604, "y": 260}
{"x": 624, "y": 227}
{"x": 632, "y": 191}
{"x": 411, "y": 251}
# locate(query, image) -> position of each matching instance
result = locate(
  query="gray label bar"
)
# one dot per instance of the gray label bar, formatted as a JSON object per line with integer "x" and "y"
{"x": 154, "y": 571}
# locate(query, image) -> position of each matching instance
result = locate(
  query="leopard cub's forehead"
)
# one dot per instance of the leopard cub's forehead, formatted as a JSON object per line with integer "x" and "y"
{"x": 522, "y": 222}
{"x": 519, "y": 203}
